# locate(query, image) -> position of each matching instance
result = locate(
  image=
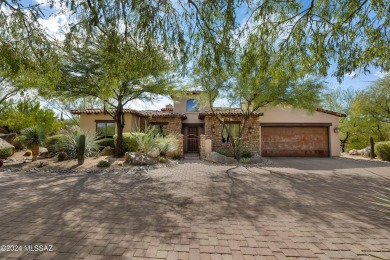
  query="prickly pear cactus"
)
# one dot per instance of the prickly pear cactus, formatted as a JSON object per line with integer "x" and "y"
{"x": 81, "y": 150}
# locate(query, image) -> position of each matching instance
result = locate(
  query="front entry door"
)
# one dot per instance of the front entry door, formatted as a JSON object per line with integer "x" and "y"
{"x": 192, "y": 139}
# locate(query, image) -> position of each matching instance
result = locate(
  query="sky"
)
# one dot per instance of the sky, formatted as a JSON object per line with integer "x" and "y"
{"x": 56, "y": 25}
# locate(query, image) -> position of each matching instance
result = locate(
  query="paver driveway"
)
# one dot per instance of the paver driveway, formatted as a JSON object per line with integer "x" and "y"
{"x": 309, "y": 208}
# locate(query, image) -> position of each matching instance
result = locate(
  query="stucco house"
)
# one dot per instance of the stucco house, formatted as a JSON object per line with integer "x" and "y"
{"x": 274, "y": 131}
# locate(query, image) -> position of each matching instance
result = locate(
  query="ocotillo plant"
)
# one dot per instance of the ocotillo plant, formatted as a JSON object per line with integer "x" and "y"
{"x": 81, "y": 150}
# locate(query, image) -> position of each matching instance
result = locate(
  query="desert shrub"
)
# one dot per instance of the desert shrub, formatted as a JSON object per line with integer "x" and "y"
{"x": 53, "y": 143}
{"x": 33, "y": 136}
{"x": 103, "y": 164}
{"x": 130, "y": 143}
{"x": 18, "y": 142}
{"x": 62, "y": 156}
{"x": 162, "y": 159}
{"x": 146, "y": 141}
{"x": 245, "y": 160}
{"x": 222, "y": 151}
{"x": 246, "y": 154}
{"x": 6, "y": 152}
{"x": 177, "y": 157}
{"x": 70, "y": 142}
{"x": 28, "y": 153}
{"x": 106, "y": 142}
{"x": 382, "y": 149}
{"x": 166, "y": 144}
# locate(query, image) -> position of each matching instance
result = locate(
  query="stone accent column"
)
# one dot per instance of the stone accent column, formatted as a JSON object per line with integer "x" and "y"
{"x": 180, "y": 148}
{"x": 202, "y": 146}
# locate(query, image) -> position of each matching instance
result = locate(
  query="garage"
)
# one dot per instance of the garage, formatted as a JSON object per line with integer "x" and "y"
{"x": 295, "y": 140}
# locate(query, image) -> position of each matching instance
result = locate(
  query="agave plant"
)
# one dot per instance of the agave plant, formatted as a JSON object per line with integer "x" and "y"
{"x": 34, "y": 137}
{"x": 167, "y": 144}
{"x": 70, "y": 142}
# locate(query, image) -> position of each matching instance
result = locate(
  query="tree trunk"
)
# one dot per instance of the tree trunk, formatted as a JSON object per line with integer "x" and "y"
{"x": 343, "y": 142}
{"x": 372, "y": 146}
{"x": 120, "y": 125}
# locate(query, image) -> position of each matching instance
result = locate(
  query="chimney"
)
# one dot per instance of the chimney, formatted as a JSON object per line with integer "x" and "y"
{"x": 168, "y": 107}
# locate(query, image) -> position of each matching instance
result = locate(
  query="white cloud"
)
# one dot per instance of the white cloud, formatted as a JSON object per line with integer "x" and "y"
{"x": 381, "y": 74}
{"x": 351, "y": 74}
{"x": 157, "y": 105}
{"x": 56, "y": 25}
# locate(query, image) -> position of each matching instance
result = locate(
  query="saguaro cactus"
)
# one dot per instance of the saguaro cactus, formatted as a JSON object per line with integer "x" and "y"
{"x": 81, "y": 150}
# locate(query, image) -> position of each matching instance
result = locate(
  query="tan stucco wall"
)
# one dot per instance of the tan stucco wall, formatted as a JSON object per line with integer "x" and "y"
{"x": 88, "y": 122}
{"x": 180, "y": 106}
{"x": 289, "y": 115}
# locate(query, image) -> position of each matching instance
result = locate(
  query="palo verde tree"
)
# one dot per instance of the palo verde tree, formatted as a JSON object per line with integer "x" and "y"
{"x": 116, "y": 70}
{"x": 261, "y": 78}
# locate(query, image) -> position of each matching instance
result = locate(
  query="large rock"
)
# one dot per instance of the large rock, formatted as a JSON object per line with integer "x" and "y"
{"x": 219, "y": 158}
{"x": 43, "y": 152}
{"x": 365, "y": 152}
{"x": 5, "y": 145}
{"x": 8, "y": 137}
{"x": 155, "y": 152}
{"x": 139, "y": 159}
{"x": 108, "y": 150}
{"x": 257, "y": 159}
{"x": 354, "y": 152}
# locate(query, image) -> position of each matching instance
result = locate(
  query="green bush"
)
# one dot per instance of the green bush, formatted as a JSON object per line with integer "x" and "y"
{"x": 382, "y": 149}
{"x": 6, "y": 152}
{"x": 177, "y": 157}
{"x": 106, "y": 142}
{"x": 222, "y": 151}
{"x": 246, "y": 154}
{"x": 18, "y": 142}
{"x": 146, "y": 141}
{"x": 103, "y": 164}
{"x": 245, "y": 160}
{"x": 129, "y": 142}
{"x": 70, "y": 143}
{"x": 53, "y": 143}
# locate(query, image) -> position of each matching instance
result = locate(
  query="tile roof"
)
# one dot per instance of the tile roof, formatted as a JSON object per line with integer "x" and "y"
{"x": 141, "y": 113}
{"x": 226, "y": 112}
{"x": 331, "y": 112}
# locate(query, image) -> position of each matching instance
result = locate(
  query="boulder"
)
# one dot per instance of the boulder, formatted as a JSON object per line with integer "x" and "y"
{"x": 365, "y": 152}
{"x": 354, "y": 152}
{"x": 43, "y": 152}
{"x": 155, "y": 152}
{"x": 4, "y": 144}
{"x": 219, "y": 158}
{"x": 108, "y": 150}
{"x": 8, "y": 137}
{"x": 256, "y": 159}
{"x": 140, "y": 159}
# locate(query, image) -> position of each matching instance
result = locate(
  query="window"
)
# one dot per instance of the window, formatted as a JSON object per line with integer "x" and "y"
{"x": 233, "y": 128}
{"x": 105, "y": 128}
{"x": 192, "y": 105}
{"x": 159, "y": 128}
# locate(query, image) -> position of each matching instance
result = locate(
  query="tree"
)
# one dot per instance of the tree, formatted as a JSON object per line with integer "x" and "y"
{"x": 341, "y": 100}
{"x": 375, "y": 101}
{"x": 117, "y": 71}
{"x": 259, "y": 80}
{"x": 28, "y": 113}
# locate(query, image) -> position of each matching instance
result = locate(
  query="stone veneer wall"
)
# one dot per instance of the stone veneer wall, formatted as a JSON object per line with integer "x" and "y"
{"x": 202, "y": 146}
{"x": 174, "y": 123}
{"x": 173, "y": 127}
{"x": 251, "y": 141}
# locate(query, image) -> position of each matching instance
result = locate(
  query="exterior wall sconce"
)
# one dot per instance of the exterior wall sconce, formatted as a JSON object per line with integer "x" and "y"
{"x": 336, "y": 129}
{"x": 250, "y": 129}
{"x": 213, "y": 129}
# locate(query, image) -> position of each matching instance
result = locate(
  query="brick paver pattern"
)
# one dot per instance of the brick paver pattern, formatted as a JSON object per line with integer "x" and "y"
{"x": 194, "y": 211}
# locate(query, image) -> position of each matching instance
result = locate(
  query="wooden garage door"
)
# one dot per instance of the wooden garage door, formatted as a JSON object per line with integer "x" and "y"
{"x": 300, "y": 141}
